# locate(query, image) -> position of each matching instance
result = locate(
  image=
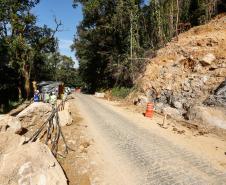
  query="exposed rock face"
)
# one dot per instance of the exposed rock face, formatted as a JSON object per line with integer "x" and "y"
{"x": 188, "y": 72}
{"x": 178, "y": 105}
{"x": 10, "y": 124}
{"x": 35, "y": 114}
{"x": 219, "y": 96}
{"x": 27, "y": 164}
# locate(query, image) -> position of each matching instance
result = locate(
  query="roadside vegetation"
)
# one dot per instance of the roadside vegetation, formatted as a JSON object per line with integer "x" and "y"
{"x": 120, "y": 92}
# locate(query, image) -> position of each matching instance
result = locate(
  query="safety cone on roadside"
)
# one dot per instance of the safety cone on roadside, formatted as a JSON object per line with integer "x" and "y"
{"x": 149, "y": 110}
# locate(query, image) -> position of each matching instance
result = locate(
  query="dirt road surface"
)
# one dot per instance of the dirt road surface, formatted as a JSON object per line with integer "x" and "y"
{"x": 131, "y": 150}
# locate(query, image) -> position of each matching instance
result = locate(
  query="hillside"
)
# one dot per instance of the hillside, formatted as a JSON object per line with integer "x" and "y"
{"x": 187, "y": 77}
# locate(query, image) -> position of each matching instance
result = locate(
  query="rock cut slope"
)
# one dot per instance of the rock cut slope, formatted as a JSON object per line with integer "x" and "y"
{"x": 190, "y": 72}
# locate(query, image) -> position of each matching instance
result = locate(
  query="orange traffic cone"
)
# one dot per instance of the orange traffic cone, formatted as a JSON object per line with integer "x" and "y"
{"x": 149, "y": 110}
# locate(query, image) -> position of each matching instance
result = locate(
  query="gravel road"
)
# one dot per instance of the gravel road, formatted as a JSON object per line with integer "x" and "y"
{"x": 143, "y": 157}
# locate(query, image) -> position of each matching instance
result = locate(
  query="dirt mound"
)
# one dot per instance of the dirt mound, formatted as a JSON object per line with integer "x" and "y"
{"x": 187, "y": 72}
{"x": 32, "y": 163}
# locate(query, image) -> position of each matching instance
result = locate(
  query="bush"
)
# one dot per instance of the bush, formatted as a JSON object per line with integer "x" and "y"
{"x": 121, "y": 92}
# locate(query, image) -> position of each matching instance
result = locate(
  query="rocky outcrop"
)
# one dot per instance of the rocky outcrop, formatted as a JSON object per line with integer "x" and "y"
{"x": 31, "y": 163}
{"x": 35, "y": 114}
{"x": 188, "y": 72}
{"x": 10, "y": 124}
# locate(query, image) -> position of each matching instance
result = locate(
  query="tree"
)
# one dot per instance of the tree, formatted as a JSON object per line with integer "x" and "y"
{"x": 25, "y": 41}
{"x": 103, "y": 43}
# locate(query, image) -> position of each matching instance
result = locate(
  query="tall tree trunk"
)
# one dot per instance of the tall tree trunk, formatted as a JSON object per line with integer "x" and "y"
{"x": 171, "y": 26}
{"x": 158, "y": 22}
{"x": 27, "y": 81}
{"x": 19, "y": 92}
{"x": 177, "y": 20}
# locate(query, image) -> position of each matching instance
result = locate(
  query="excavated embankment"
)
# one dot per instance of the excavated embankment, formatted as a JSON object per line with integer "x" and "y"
{"x": 187, "y": 78}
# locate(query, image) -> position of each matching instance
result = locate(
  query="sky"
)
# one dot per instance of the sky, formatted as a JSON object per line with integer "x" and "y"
{"x": 70, "y": 17}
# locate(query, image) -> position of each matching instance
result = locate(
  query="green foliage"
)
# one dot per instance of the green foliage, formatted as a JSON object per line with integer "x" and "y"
{"x": 120, "y": 92}
{"x": 23, "y": 49}
{"x": 66, "y": 72}
{"x": 60, "y": 68}
{"x": 109, "y": 28}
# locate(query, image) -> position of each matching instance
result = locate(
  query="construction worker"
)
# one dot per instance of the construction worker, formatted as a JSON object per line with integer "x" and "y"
{"x": 46, "y": 97}
{"x": 53, "y": 99}
{"x": 36, "y": 96}
{"x": 64, "y": 96}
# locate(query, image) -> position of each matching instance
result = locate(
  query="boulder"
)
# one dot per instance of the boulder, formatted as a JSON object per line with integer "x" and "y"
{"x": 221, "y": 89}
{"x": 32, "y": 163}
{"x": 10, "y": 124}
{"x": 65, "y": 118}
{"x": 208, "y": 115}
{"x": 219, "y": 96}
{"x": 208, "y": 59}
{"x": 35, "y": 114}
{"x": 172, "y": 112}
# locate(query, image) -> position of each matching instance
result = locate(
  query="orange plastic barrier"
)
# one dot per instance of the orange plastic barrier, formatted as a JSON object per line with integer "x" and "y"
{"x": 149, "y": 110}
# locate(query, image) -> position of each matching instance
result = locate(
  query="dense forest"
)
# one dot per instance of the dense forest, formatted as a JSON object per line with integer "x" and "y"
{"x": 28, "y": 52}
{"x": 116, "y": 36}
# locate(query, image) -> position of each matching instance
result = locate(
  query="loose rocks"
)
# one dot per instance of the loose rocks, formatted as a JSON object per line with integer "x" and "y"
{"x": 208, "y": 59}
